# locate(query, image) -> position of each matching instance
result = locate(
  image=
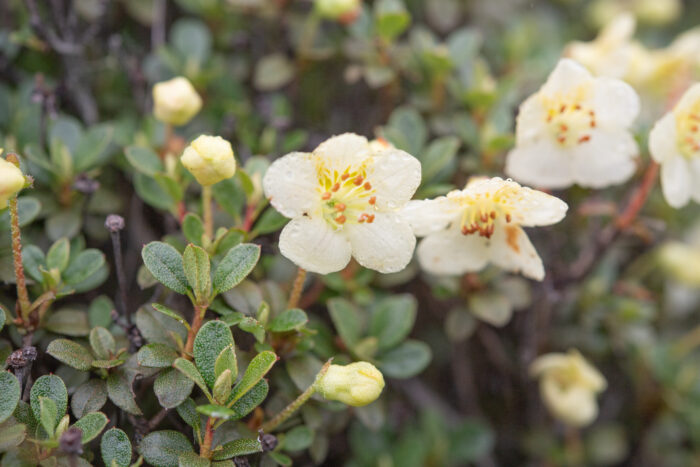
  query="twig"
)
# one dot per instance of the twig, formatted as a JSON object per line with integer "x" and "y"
{"x": 115, "y": 224}
{"x": 296, "y": 289}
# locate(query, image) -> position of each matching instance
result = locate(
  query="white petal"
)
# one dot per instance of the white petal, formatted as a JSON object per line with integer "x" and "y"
{"x": 448, "y": 252}
{"x": 676, "y": 181}
{"x": 395, "y": 176}
{"x": 291, "y": 184}
{"x": 531, "y": 122}
{"x": 533, "y": 207}
{"x": 430, "y": 215}
{"x": 615, "y": 102}
{"x": 512, "y": 250}
{"x": 568, "y": 74}
{"x": 386, "y": 245}
{"x": 607, "y": 159}
{"x": 663, "y": 139}
{"x": 340, "y": 152}
{"x": 573, "y": 405}
{"x": 695, "y": 178}
{"x": 313, "y": 245}
{"x": 541, "y": 164}
{"x": 690, "y": 98}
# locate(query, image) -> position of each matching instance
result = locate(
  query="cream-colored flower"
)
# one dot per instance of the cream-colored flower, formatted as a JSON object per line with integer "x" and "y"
{"x": 210, "y": 159}
{"x": 674, "y": 142}
{"x": 344, "y": 200}
{"x": 467, "y": 229}
{"x": 356, "y": 384}
{"x": 575, "y": 129}
{"x": 657, "y": 12}
{"x": 569, "y": 386}
{"x": 175, "y": 101}
{"x": 338, "y": 9}
{"x": 11, "y": 181}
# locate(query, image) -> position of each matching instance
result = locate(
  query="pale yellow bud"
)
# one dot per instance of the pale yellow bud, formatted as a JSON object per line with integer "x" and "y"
{"x": 657, "y": 12}
{"x": 682, "y": 262}
{"x": 569, "y": 386}
{"x": 210, "y": 159}
{"x": 11, "y": 181}
{"x": 175, "y": 101}
{"x": 356, "y": 384}
{"x": 337, "y": 9}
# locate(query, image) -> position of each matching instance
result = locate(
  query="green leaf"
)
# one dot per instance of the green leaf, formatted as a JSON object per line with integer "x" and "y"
{"x": 163, "y": 448}
{"x": 226, "y": 361}
{"x": 230, "y": 239}
{"x": 50, "y": 386}
{"x": 439, "y": 158}
{"x": 172, "y": 187}
{"x": 192, "y": 39}
{"x": 188, "y": 412}
{"x": 270, "y": 221}
{"x": 289, "y": 320}
{"x": 102, "y": 343}
{"x": 195, "y": 261}
{"x": 239, "y": 447}
{"x": 406, "y": 360}
{"x": 144, "y": 160}
{"x": 10, "y": 391}
{"x": 3, "y": 317}
{"x": 47, "y": 415}
{"x": 159, "y": 327}
{"x": 87, "y": 263}
{"x": 165, "y": 263}
{"x": 392, "y": 320}
{"x": 470, "y": 442}
{"x": 236, "y": 265}
{"x": 156, "y": 355}
{"x": 193, "y": 228}
{"x": 32, "y": 259}
{"x": 171, "y": 313}
{"x": 71, "y": 353}
{"x": 116, "y": 448}
{"x": 90, "y": 396}
{"x": 113, "y": 363}
{"x": 251, "y": 399}
{"x": 211, "y": 339}
{"x": 91, "y": 146}
{"x": 188, "y": 369}
{"x": 92, "y": 425}
{"x": 222, "y": 387}
{"x": 151, "y": 192}
{"x": 172, "y": 388}
{"x": 216, "y": 411}
{"x": 120, "y": 391}
{"x": 391, "y": 18}
{"x": 257, "y": 369}
{"x": 280, "y": 458}
{"x": 230, "y": 196}
{"x": 11, "y": 436}
{"x": 407, "y": 130}
{"x": 68, "y": 322}
{"x": 251, "y": 325}
{"x": 58, "y": 255}
{"x": 347, "y": 320}
{"x": 298, "y": 439}
{"x": 28, "y": 208}
{"x": 99, "y": 313}
{"x": 192, "y": 459}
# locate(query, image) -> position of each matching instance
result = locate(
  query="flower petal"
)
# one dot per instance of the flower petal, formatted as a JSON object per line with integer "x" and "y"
{"x": 385, "y": 245}
{"x": 568, "y": 74}
{"x": 663, "y": 139}
{"x": 395, "y": 176}
{"x": 430, "y": 215}
{"x": 607, "y": 159}
{"x": 695, "y": 178}
{"x": 313, "y": 245}
{"x": 615, "y": 102}
{"x": 291, "y": 184}
{"x": 676, "y": 181}
{"x": 533, "y": 207}
{"x": 512, "y": 250}
{"x": 531, "y": 122}
{"x": 448, "y": 252}
{"x": 340, "y": 152}
{"x": 540, "y": 164}
{"x": 573, "y": 405}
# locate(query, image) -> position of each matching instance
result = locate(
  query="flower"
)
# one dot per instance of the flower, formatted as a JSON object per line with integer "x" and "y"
{"x": 11, "y": 181}
{"x": 674, "y": 142}
{"x": 656, "y": 12}
{"x": 175, "y": 101}
{"x": 469, "y": 228}
{"x": 575, "y": 129}
{"x": 356, "y": 384}
{"x": 338, "y": 10}
{"x": 344, "y": 200}
{"x": 569, "y": 386}
{"x": 210, "y": 159}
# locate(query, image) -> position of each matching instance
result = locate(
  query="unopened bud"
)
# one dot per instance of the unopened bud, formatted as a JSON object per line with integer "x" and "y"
{"x": 356, "y": 384}
{"x": 175, "y": 101}
{"x": 210, "y": 159}
{"x": 338, "y": 10}
{"x": 11, "y": 181}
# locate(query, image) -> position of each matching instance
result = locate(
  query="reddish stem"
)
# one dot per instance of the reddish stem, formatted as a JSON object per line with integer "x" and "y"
{"x": 639, "y": 197}
{"x": 199, "y": 312}
{"x": 205, "y": 448}
{"x": 249, "y": 218}
{"x": 22, "y": 294}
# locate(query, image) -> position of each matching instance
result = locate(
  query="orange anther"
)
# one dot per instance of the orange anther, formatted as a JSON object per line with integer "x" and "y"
{"x": 563, "y": 127}
{"x": 336, "y": 187}
{"x": 694, "y": 128}
{"x": 368, "y": 186}
{"x": 562, "y": 109}
{"x": 508, "y": 218}
{"x": 370, "y": 218}
{"x": 340, "y": 219}
{"x": 326, "y": 196}
{"x": 465, "y": 230}
{"x": 584, "y": 138}
{"x": 493, "y": 214}
{"x": 344, "y": 176}
{"x": 561, "y": 139}
{"x": 373, "y": 200}
{"x": 358, "y": 180}
{"x": 577, "y": 107}
{"x": 340, "y": 207}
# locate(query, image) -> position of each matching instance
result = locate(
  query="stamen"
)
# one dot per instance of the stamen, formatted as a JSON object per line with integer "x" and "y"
{"x": 584, "y": 139}
{"x": 326, "y": 196}
{"x": 370, "y": 218}
{"x": 373, "y": 200}
{"x": 340, "y": 219}
{"x": 345, "y": 176}
{"x": 368, "y": 186}
{"x": 340, "y": 207}
{"x": 358, "y": 180}
{"x": 336, "y": 187}
{"x": 508, "y": 218}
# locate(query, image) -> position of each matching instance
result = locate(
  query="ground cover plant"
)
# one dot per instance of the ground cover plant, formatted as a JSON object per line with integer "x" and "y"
{"x": 344, "y": 232}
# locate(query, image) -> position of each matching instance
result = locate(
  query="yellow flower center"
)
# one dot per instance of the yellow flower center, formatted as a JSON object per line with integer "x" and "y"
{"x": 687, "y": 125}
{"x": 568, "y": 119}
{"x": 347, "y": 196}
{"x": 482, "y": 210}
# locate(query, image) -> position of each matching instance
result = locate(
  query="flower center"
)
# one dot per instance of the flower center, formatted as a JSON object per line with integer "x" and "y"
{"x": 346, "y": 197}
{"x": 570, "y": 123}
{"x": 687, "y": 125}
{"x": 482, "y": 210}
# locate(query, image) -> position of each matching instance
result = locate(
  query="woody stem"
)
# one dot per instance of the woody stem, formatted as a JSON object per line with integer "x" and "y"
{"x": 205, "y": 448}
{"x": 22, "y": 294}
{"x": 199, "y": 312}
{"x": 296, "y": 289}
{"x": 207, "y": 210}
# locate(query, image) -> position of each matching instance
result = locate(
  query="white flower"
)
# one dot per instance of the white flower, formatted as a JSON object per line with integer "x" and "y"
{"x": 469, "y": 228}
{"x": 175, "y": 101}
{"x": 569, "y": 386}
{"x": 674, "y": 142}
{"x": 11, "y": 181}
{"x": 343, "y": 199}
{"x": 356, "y": 384}
{"x": 209, "y": 159}
{"x": 575, "y": 129}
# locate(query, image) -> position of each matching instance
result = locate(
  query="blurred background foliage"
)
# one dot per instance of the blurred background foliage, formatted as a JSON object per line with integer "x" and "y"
{"x": 441, "y": 79}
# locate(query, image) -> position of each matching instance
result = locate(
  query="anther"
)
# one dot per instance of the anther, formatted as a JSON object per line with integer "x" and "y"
{"x": 368, "y": 186}
{"x": 563, "y": 127}
{"x": 340, "y": 207}
{"x": 593, "y": 124}
{"x": 373, "y": 200}
{"x": 340, "y": 219}
{"x": 344, "y": 176}
{"x": 561, "y": 139}
{"x": 326, "y": 196}
{"x": 358, "y": 180}
{"x": 584, "y": 139}
{"x": 493, "y": 214}
{"x": 508, "y": 218}
{"x": 370, "y": 218}
{"x": 336, "y": 187}
{"x": 562, "y": 109}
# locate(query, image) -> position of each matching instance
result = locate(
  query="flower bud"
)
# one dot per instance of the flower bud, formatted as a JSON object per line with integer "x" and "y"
{"x": 356, "y": 384}
{"x": 569, "y": 386}
{"x": 175, "y": 101}
{"x": 209, "y": 159}
{"x": 11, "y": 181}
{"x": 338, "y": 10}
